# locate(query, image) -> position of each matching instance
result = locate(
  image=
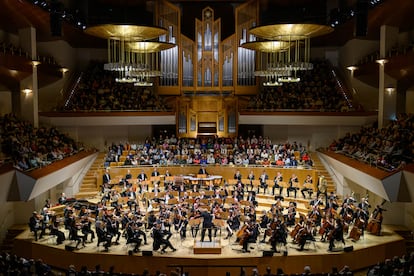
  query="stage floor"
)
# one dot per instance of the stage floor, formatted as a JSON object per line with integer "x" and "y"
{"x": 365, "y": 252}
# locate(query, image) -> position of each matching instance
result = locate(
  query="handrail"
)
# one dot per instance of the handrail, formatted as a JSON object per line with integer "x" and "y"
{"x": 72, "y": 86}
{"x": 106, "y": 113}
{"x": 57, "y": 165}
{"x": 306, "y": 167}
{"x": 365, "y": 168}
{"x": 302, "y": 112}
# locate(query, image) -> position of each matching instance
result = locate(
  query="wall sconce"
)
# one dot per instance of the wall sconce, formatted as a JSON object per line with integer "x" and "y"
{"x": 381, "y": 61}
{"x": 352, "y": 68}
{"x": 35, "y": 63}
{"x": 390, "y": 90}
{"x": 27, "y": 91}
{"x": 63, "y": 70}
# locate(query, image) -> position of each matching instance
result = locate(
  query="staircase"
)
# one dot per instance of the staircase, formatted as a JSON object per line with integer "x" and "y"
{"x": 12, "y": 232}
{"x": 320, "y": 168}
{"x": 89, "y": 186}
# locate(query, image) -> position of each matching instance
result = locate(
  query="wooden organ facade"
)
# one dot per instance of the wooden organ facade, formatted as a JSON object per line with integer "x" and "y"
{"x": 207, "y": 73}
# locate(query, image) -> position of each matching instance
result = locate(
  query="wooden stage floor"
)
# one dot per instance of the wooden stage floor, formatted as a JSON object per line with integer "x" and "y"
{"x": 367, "y": 251}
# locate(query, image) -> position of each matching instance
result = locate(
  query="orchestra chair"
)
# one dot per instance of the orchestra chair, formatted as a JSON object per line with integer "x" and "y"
{"x": 219, "y": 224}
{"x": 269, "y": 184}
{"x": 149, "y": 196}
{"x": 189, "y": 201}
{"x": 229, "y": 201}
{"x": 217, "y": 182}
{"x": 308, "y": 244}
{"x": 171, "y": 179}
{"x": 225, "y": 215}
{"x": 204, "y": 201}
{"x": 256, "y": 184}
{"x": 285, "y": 185}
{"x": 51, "y": 239}
{"x": 244, "y": 202}
{"x": 173, "y": 201}
{"x": 232, "y": 182}
{"x": 195, "y": 194}
{"x": 155, "y": 179}
{"x": 218, "y": 200}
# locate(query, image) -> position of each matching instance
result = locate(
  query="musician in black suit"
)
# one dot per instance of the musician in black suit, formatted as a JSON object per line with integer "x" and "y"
{"x": 251, "y": 232}
{"x": 106, "y": 181}
{"x": 168, "y": 183}
{"x": 307, "y": 186}
{"x": 263, "y": 181}
{"x": 337, "y": 235}
{"x": 202, "y": 170}
{"x": 155, "y": 172}
{"x": 237, "y": 175}
{"x": 103, "y": 236}
{"x": 112, "y": 227}
{"x": 141, "y": 177}
{"x": 278, "y": 178}
{"x": 54, "y": 230}
{"x": 133, "y": 236}
{"x": 251, "y": 178}
{"x": 159, "y": 240}
{"x": 35, "y": 225}
{"x": 293, "y": 182}
{"x": 128, "y": 175}
{"x": 106, "y": 178}
{"x": 207, "y": 224}
{"x": 251, "y": 198}
{"x": 62, "y": 198}
{"x": 74, "y": 236}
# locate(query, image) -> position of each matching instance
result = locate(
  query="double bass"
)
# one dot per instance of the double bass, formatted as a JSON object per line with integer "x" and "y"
{"x": 374, "y": 226}
{"x": 242, "y": 234}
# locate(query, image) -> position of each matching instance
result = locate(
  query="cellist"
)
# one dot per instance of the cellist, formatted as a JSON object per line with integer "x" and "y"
{"x": 337, "y": 234}
{"x": 279, "y": 234}
{"x": 326, "y": 227}
{"x": 304, "y": 234}
{"x": 249, "y": 235}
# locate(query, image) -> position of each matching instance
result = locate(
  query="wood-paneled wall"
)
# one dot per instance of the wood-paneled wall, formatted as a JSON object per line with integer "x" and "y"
{"x": 227, "y": 172}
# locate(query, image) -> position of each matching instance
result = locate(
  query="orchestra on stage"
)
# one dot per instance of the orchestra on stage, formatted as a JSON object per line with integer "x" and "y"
{"x": 202, "y": 207}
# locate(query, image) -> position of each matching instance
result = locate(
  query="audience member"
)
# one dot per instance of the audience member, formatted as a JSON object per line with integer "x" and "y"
{"x": 98, "y": 91}
{"x": 31, "y": 147}
{"x": 317, "y": 90}
{"x": 388, "y": 148}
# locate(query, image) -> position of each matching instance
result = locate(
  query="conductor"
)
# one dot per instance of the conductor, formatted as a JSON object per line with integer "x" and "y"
{"x": 207, "y": 224}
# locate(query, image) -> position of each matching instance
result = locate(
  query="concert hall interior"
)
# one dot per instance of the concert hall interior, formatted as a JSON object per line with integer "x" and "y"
{"x": 207, "y": 137}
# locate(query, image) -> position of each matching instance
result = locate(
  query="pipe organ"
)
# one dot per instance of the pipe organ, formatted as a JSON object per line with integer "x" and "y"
{"x": 207, "y": 66}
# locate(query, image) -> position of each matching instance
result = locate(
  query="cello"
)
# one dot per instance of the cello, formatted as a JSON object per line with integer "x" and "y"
{"x": 242, "y": 234}
{"x": 295, "y": 230}
{"x": 356, "y": 230}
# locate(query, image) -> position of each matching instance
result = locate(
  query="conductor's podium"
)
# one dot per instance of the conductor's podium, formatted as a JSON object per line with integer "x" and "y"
{"x": 207, "y": 247}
